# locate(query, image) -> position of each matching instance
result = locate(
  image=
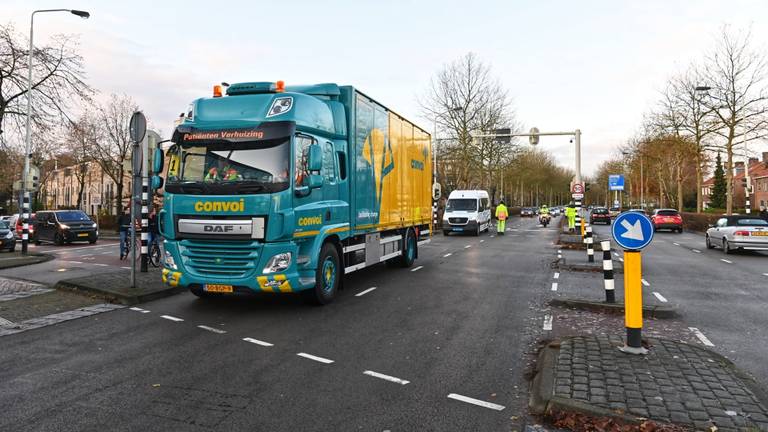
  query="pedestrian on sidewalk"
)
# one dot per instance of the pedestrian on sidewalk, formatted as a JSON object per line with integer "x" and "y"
{"x": 123, "y": 226}
{"x": 570, "y": 213}
{"x": 763, "y": 213}
{"x": 501, "y": 215}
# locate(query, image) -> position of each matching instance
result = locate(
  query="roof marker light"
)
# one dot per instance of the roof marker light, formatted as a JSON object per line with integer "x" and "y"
{"x": 217, "y": 90}
{"x": 280, "y": 86}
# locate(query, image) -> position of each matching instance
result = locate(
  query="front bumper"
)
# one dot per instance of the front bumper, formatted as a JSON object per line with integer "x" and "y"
{"x": 73, "y": 236}
{"x": 189, "y": 273}
{"x": 470, "y": 226}
{"x": 7, "y": 243}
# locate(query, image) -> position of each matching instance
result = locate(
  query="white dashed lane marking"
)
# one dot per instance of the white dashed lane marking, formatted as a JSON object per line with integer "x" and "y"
{"x": 695, "y": 251}
{"x": 138, "y": 309}
{"x": 676, "y": 244}
{"x": 386, "y": 377}
{"x": 726, "y": 261}
{"x": 467, "y": 246}
{"x": 701, "y": 336}
{"x": 362, "y": 293}
{"x": 171, "y": 318}
{"x": 660, "y": 297}
{"x": 211, "y": 329}
{"x": 447, "y": 255}
{"x": 554, "y": 286}
{"x": 556, "y": 276}
{"x": 417, "y": 268}
{"x": 258, "y": 342}
{"x": 315, "y": 358}
{"x": 645, "y": 282}
{"x": 547, "y": 322}
{"x": 477, "y": 402}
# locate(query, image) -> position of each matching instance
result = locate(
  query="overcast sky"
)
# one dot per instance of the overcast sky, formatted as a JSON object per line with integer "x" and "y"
{"x": 592, "y": 65}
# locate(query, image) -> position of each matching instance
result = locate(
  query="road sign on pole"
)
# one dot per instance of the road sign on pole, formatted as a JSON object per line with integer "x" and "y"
{"x": 632, "y": 230}
{"x": 616, "y": 182}
{"x": 577, "y": 188}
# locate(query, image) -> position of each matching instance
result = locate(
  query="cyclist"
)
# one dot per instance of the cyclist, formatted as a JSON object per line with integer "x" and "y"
{"x": 154, "y": 232}
{"x": 124, "y": 226}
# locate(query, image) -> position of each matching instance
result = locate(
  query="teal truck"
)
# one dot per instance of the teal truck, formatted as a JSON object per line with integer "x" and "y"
{"x": 285, "y": 189}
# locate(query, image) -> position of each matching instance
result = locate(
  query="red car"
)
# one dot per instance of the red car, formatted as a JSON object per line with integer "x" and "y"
{"x": 30, "y": 226}
{"x": 600, "y": 214}
{"x": 667, "y": 219}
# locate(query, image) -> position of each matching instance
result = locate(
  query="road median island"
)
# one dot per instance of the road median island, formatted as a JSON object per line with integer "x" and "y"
{"x": 674, "y": 384}
{"x": 650, "y": 311}
{"x": 115, "y": 286}
{"x": 576, "y": 260}
{"x": 16, "y": 259}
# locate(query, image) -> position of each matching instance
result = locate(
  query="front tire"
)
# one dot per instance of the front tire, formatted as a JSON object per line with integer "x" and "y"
{"x": 58, "y": 239}
{"x": 327, "y": 276}
{"x": 708, "y": 241}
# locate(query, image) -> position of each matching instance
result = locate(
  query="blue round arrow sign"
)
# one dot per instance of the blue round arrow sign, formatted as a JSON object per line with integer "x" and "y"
{"x": 632, "y": 230}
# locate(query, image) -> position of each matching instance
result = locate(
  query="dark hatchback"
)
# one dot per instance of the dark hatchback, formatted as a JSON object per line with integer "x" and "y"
{"x": 65, "y": 226}
{"x": 7, "y": 239}
{"x": 601, "y": 215}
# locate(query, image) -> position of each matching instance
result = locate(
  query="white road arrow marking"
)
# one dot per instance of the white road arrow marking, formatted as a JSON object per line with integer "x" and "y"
{"x": 634, "y": 232}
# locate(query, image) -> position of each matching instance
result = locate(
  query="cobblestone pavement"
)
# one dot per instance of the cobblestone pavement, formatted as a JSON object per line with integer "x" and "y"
{"x": 12, "y": 289}
{"x": 675, "y": 382}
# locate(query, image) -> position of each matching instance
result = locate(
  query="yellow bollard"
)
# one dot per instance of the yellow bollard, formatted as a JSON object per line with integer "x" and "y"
{"x": 633, "y": 302}
{"x": 583, "y": 228}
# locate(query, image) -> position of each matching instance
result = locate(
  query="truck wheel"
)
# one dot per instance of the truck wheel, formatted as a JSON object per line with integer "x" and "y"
{"x": 327, "y": 276}
{"x": 409, "y": 249}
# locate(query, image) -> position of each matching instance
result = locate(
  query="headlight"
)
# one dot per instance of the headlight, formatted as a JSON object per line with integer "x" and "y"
{"x": 9, "y": 235}
{"x": 169, "y": 262}
{"x": 278, "y": 263}
{"x": 62, "y": 226}
{"x": 94, "y": 225}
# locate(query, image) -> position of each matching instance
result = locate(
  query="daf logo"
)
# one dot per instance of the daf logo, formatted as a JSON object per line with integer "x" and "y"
{"x": 218, "y": 228}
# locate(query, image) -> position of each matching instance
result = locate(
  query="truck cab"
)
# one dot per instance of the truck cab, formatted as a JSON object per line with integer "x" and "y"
{"x": 467, "y": 211}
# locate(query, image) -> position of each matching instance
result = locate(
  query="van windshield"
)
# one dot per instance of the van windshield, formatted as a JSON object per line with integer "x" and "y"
{"x": 462, "y": 204}
{"x": 72, "y": 216}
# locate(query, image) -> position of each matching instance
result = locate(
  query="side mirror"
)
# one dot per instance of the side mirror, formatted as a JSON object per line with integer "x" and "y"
{"x": 157, "y": 182}
{"x": 315, "y": 162}
{"x": 315, "y": 181}
{"x": 158, "y": 161}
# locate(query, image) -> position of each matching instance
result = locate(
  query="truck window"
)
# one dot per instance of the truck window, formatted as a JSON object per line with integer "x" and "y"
{"x": 302, "y": 151}
{"x": 342, "y": 166}
{"x": 329, "y": 164}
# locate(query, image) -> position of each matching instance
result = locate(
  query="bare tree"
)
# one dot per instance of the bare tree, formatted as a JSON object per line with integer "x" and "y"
{"x": 80, "y": 140}
{"x": 114, "y": 147}
{"x": 465, "y": 100}
{"x": 736, "y": 73}
{"x": 58, "y": 80}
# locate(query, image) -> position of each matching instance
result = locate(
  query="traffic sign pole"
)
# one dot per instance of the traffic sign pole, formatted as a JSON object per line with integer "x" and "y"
{"x": 633, "y": 231}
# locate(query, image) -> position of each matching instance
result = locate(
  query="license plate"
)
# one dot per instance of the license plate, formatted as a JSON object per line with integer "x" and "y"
{"x": 760, "y": 233}
{"x": 83, "y": 235}
{"x": 218, "y": 288}
{"x": 458, "y": 229}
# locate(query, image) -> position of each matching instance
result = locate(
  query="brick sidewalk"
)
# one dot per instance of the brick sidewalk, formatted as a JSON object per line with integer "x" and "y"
{"x": 675, "y": 382}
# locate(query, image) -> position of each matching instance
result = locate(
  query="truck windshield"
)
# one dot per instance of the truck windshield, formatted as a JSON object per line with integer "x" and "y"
{"x": 462, "y": 204}
{"x": 233, "y": 167}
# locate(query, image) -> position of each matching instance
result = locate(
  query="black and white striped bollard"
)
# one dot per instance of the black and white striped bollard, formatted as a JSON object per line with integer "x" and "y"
{"x": 590, "y": 244}
{"x": 144, "y": 223}
{"x": 25, "y": 223}
{"x": 610, "y": 295}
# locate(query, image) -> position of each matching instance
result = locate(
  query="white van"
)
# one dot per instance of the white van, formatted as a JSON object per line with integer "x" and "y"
{"x": 467, "y": 211}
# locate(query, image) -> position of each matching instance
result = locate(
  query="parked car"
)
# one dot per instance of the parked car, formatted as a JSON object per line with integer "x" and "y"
{"x": 7, "y": 238}
{"x": 65, "y": 226}
{"x": 738, "y": 232}
{"x": 601, "y": 215}
{"x": 614, "y": 211}
{"x": 20, "y": 228}
{"x": 638, "y": 210}
{"x": 527, "y": 212}
{"x": 667, "y": 219}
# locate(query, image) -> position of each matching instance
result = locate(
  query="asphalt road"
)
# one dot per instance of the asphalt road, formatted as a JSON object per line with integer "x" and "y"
{"x": 723, "y": 296}
{"x": 440, "y": 346}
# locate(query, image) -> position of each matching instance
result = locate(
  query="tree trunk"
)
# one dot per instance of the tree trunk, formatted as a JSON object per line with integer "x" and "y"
{"x": 119, "y": 186}
{"x": 699, "y": 184}
{"x": 729, "y": 175}
{"x": 680, "y": 186}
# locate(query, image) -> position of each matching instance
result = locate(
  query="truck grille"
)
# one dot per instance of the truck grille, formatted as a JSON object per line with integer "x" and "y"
{"x": 219, "y": 260}
{"x": 458, "y": 220}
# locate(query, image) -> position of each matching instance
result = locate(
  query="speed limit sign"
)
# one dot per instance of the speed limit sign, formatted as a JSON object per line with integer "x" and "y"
{"x": 578, "y": 188}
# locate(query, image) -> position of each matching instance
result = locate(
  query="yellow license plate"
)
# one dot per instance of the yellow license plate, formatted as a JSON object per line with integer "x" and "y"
{"x": 83, "y": 235}
{"x": 219, "y": 288}
{"x": 760, "y": 233}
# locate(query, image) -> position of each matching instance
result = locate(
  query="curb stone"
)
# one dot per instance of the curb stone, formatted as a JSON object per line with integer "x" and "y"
{"x": 661, "y": 311}
{"x": 35, "y": 259}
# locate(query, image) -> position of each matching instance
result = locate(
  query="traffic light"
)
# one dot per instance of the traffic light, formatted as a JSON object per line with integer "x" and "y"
{"x": 586, "y": 187}
{"x": 744, "y": 182}
{"x": 35, "y": 183}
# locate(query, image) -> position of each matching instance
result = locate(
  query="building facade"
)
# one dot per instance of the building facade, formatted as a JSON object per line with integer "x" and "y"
{"x": 758, "y": 176}
{"x": 99, "y": 194}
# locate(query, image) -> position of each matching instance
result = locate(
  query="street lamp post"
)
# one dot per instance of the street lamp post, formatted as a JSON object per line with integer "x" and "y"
{"x": 24, "y": 204}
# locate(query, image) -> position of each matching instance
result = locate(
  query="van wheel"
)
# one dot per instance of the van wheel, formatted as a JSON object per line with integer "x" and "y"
{"x": 58, "y": 239}
{"x": 327, "y": 276}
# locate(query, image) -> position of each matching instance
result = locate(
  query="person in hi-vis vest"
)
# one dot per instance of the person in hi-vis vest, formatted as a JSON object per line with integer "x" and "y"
{"x": 501, "y": 215}
{"x": 570, "y": 213}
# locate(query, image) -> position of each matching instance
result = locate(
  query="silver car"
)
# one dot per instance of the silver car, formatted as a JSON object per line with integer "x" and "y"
{"x": 738, "y": 232}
